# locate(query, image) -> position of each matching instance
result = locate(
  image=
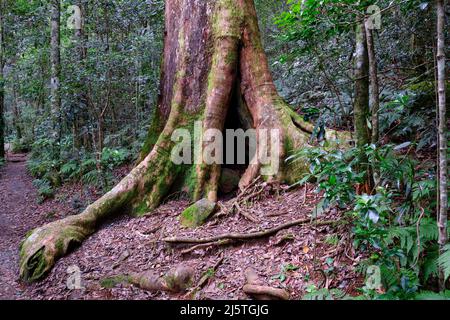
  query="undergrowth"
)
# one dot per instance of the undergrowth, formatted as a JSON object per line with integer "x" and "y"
{"x": 394, "y": 226}
{"x": 53, "y": 163}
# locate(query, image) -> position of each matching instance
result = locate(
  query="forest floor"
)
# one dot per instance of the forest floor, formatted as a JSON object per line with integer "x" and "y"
{"x": 299, "y": 259}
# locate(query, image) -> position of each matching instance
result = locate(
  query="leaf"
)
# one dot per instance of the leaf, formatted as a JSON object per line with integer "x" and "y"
{"x": 332, "y": 180}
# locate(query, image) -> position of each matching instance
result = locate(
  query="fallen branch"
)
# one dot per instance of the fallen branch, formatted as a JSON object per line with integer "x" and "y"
{"x": 247, "y": 236}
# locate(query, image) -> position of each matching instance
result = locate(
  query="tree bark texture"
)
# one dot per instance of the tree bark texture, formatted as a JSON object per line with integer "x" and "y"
{"x": 442, "y": 133}
{"x": 55, "y": 60}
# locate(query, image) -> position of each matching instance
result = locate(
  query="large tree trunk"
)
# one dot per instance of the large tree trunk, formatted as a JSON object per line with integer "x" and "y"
{"x": 443, "y": 171}
{"x": 212, "y": 53}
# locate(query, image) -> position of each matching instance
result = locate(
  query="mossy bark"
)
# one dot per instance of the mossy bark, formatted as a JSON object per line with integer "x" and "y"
{"x": 211, "y": 48}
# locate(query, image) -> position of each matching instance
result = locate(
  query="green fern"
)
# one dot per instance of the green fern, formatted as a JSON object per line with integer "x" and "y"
{"x": 91, "y": 178}
{"x": 407, "y": 236}
{"x": 430, "y": 264}
{"x": 429, "y": 295}
{"x": 444, "y": 261}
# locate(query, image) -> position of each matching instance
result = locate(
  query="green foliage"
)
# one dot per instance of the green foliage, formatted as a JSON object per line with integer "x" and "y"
{"x": 411, "y": 116}
{"x": 52, "y": 162}
{"x": 335, "y": 173}
{"x": 323, "y": 294}
{"x": 430, "y": 295}
{"x": 285, "y": 269}
{"x": 44, "y": 188}
{"x": 394, "y": 226}
{"x": 444, "y": 261}
{"x": 20, "y": 146}
{"x": 112, "y": 158}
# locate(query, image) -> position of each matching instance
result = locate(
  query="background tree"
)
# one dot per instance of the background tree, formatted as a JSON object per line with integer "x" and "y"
{"x": 443, "y": 146}
{"x": 55, "y": 54}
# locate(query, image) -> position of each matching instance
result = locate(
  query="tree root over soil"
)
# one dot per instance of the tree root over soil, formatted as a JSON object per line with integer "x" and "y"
{"x": 176, "y": 280}
{"x": 228, "y": 237}
{"x": 255, "y": 288}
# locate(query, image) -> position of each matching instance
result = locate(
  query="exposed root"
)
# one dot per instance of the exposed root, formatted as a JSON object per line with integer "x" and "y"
{"x": 255, "y": 288}
{"x": 176, "y": 280}
{"x": 46, "y": 244}
{"x": 247, "y": 236}
{"x": 265, "y": 293}
{"x": 248, "y": 194}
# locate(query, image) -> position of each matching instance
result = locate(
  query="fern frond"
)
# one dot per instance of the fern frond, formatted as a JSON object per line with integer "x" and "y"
{"x": 444, "y": 261}
{"x": 429, "y": 295}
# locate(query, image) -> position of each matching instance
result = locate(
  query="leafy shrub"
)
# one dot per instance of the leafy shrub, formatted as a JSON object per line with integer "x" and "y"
{"x": 45, "y": 190}
{"x": 20, "y": 146}
{"x": 395, "y": 226}
{"x": 112, "y": 158}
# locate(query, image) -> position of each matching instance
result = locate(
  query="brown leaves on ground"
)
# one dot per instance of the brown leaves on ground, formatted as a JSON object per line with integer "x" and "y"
{"x": 293, "y": 259}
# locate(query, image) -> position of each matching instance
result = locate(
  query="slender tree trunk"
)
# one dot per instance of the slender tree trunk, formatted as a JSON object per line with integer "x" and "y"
{"x": 80, "y": 36}
{"x": 443, "y": 191}
{"x": 361, "y": 104}
{"x": 374, "y": 85}
{"x": 16, "y": 112}
{"x": 55, "y": 68}
{"x": 374, "y": 94}
{"x": 210, "y": 48}
{"x": 2, "y": 84}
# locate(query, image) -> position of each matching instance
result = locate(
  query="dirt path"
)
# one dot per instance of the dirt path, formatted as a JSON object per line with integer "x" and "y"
{"x": 18, "y": 214}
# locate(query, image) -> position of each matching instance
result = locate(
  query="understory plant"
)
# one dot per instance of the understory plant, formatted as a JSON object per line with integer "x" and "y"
{"x": 394, "y": 227}
{"x": 53, "y": 163}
